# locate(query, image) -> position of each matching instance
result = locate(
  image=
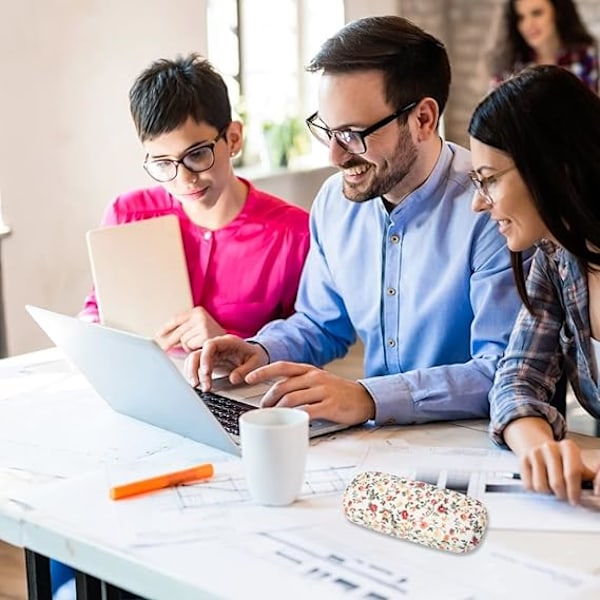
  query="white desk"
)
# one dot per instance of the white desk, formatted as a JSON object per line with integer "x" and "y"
{"x": 60, "y": 445}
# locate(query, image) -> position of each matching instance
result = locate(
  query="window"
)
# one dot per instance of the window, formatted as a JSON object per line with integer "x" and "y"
{"x": 264, "y": 65}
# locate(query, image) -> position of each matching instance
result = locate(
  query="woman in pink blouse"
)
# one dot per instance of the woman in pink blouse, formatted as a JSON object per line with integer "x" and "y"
{"x": 244, "y": 248}
{"x": 543, "y": 32}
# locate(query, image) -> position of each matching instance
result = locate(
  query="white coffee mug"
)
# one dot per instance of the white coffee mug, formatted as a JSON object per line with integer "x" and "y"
{"x": 274, "y": 448}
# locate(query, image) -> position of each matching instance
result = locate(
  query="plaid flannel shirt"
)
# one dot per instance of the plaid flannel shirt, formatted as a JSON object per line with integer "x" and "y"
{"x": 556, "y": 337}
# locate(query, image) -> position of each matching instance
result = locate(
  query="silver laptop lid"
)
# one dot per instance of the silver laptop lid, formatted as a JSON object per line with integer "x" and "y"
{"x": 135, "y": 377}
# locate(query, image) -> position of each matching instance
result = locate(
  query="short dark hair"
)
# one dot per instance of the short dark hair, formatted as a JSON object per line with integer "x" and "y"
{"x": 511, "y": 49}
{"x": 415, "y": 64}
{"x": 168, "y": 92}
{"x": 548, "y": 121}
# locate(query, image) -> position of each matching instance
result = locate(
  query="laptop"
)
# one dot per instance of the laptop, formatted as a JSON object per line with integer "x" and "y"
{"x": 136, "y": 378}
{"x": 140, "y": 274}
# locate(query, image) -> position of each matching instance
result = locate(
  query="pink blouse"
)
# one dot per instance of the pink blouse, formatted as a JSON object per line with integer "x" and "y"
{"x": 244, "y": 274}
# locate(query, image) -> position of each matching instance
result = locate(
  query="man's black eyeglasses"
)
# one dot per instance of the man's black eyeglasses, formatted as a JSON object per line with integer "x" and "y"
{"x": 352, "y": 141}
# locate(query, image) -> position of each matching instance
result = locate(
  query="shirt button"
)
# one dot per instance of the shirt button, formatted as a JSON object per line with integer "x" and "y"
{"x": 391, "y": 343}
{"x": 391, "y": 292}
{"x": 207, "y": 235}
{"x": 394, "y": 238}
{"x": 563, "y": 272}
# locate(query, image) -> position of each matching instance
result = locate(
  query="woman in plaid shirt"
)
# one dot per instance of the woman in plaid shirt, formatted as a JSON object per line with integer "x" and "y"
{"x": 538, "y": 32}
{"x": 535, "y": 144}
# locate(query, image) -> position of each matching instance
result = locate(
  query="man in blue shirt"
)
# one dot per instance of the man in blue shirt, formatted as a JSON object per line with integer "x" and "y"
{"x": 397, "y": 256}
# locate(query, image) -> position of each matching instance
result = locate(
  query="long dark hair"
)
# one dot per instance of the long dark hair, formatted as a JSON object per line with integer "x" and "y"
{"x": 511, "y": 49}
{"x": 548, "y": 121}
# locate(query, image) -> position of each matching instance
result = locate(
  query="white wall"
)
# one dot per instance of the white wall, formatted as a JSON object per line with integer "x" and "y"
{"x": 67, "y": 145}
{"x": 299, "y": 187}
{"x": 356, "y": 9}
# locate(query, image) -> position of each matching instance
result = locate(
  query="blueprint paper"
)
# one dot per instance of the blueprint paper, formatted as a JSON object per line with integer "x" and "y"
{"x": 487, "y": 476}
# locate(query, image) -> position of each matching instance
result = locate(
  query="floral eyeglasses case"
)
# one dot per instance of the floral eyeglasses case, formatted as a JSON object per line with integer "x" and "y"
{"x": 415, "y": 511}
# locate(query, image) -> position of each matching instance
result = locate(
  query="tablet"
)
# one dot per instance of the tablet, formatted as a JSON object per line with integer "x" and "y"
{"x": 140, "y": 274}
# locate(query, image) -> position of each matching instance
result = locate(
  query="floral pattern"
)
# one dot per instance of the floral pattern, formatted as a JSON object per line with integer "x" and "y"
{"x": 415, "y": 511}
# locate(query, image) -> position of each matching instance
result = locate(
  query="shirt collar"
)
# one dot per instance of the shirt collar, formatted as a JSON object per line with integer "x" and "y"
{"x": 548, "y": 247}
{"x": 428, "y": 189}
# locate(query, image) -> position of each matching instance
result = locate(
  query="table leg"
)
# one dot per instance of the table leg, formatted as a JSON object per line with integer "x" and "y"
{"x": 38, "y": 576}
{"x": 91, "y": 588}
{"x": 110, "y": 592}
{"x": 88, "y": 587}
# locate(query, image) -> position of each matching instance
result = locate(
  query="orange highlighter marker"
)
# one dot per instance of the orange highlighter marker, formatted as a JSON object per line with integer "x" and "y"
{"x": 161, "y": 481}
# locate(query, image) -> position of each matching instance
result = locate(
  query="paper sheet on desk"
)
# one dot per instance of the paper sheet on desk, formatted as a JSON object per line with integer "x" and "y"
{"x": 203, "y": 510}
{"x": 310, "y": 540}
{"x": 70, "y": 502}
{"x": 223, "y": 506}
{"x": 350, "y": 560}
{"x": 310, "y": 545}
{"x": 17, "y": 380}
{"x": 88, "y": 434}
{"x": 336, "y": 559}
{"x": 484, "y": 474}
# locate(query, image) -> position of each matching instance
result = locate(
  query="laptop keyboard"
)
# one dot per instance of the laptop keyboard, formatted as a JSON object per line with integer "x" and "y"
{"x": 225, "y": 410}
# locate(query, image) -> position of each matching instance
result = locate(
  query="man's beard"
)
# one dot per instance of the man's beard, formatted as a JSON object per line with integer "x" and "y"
{"x": 405, "y": 155}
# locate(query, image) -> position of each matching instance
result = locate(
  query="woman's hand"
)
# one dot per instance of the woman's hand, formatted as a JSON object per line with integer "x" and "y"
{"x": 558, "y": 468}
{"x": 549, "y": 466}
{"x": 189, "y": 330}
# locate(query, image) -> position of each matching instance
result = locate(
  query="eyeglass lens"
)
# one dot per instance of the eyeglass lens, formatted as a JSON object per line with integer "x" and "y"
{"x": 350, "y": 141}
{"x": 481, "y": 185}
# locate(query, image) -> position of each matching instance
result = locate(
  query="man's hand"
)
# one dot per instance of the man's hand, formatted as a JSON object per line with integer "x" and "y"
{"x": 189, "y": 330}
{"x": 228, "y": 352}
{"x": 322, "y": 394}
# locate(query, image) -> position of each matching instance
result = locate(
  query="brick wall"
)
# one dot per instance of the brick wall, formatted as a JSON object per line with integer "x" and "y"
{"x": 466, "y": 27}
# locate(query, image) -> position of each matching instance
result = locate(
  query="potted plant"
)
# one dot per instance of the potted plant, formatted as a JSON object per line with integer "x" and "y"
{"x": 284, "y": 139}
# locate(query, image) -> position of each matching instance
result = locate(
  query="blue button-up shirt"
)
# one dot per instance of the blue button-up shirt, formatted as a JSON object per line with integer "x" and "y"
{"x": 428, "y": 289}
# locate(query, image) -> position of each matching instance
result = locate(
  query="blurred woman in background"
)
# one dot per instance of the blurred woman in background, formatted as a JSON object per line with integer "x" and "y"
{"x": 543, "y": 32}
